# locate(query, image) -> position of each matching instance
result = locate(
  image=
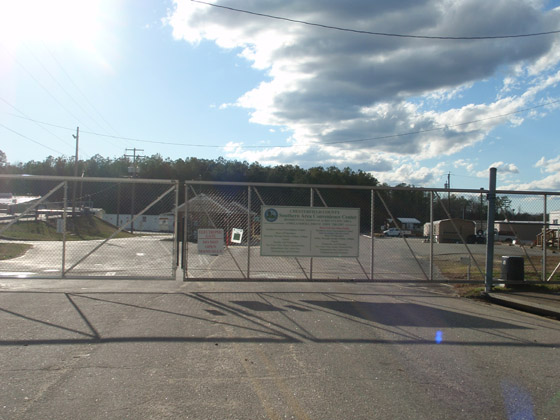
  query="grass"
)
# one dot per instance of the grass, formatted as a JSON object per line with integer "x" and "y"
{"x": 469, "y": 290}
{"x": 453, "y": 269}
{"x": 475, "y": 291}
{"x": 80, "y": 229}
{"x": 9, "y": 251}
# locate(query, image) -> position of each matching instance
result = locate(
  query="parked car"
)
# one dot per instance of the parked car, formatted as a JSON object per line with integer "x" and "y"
{"x": 507, "y": 237}
{"x": 394, "y": 232}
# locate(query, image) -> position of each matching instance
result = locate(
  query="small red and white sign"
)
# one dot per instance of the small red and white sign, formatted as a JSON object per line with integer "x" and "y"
{"x": 210, "y": 241}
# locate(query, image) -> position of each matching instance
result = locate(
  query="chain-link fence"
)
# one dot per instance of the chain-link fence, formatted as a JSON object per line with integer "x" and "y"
{"x": 87, "y": 227}
{"x": 127, "y": 228}
{"x": 402, "y": 234}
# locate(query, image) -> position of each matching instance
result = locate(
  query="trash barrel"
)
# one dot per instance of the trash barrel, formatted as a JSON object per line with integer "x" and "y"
{"x": 513, "y": 268}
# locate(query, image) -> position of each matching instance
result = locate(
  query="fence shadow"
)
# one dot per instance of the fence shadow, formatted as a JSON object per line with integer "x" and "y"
{"x": 271, "y": 317}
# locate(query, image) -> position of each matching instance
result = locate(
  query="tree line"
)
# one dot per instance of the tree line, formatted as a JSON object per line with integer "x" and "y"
{"x": 401, "y": 203}
{"x": 192, "y": 168}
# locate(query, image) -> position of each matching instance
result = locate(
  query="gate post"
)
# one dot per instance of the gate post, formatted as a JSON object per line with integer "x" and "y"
{"x": 65, "y": 205}
{"x": 490, "y": 231}
{"x": 372, "y": 233}
{"x": 185, "y": 235}
{"x": 431, "y": 233}
{"x": 544, "y": 239}
{"x": 311, "y": 259}
{"x": 249, "y": 232}
{"x": 175, "y": 230}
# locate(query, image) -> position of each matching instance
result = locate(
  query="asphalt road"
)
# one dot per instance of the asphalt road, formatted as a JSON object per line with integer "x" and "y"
{"x": 154, "y": 350}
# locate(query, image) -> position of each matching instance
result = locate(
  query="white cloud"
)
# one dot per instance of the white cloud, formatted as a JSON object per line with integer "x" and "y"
{"x": 550, "y": 182}
{"x": 327, "y": 87}
{"x": 549, "y": 165}
{"x": 504, "y": 170}
{"x": 412, "y": 174}
{"x": 464, "y": 164}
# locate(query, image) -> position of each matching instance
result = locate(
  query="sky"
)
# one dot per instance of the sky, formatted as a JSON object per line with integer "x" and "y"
{"x": 397, "y": 89}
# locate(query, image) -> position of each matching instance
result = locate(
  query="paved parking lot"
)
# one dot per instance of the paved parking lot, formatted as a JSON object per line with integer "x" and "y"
{"x": 141, "y": 256}
{"x": 152, "y": 256}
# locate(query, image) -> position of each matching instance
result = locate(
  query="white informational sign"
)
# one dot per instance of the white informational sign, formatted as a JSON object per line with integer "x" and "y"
{"x": 59, "y": 226}
{"x": 236, "y": 235}
{"x": 310, "y": 231}
{"x": 210, "y": 241}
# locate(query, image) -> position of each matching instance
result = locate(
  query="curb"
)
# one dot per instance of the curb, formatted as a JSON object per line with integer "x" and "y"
{"x": 513, "y": 303}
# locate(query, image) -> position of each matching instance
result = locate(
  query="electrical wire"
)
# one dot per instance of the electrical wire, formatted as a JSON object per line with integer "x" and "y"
{"x": 42, "y": 86}
{"x": 36, "y": 123}
{"x": 76, "y": 103}
{"x": 118, "y": 137}
{"x": 386, "y": 34}
{"x": 444, "y": 127}
{"x": 30, "y": 139}
{"x": 78, "y": 89}
{"x": 439, "y": 128}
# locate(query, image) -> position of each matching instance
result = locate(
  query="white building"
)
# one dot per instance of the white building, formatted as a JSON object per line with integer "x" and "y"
{"x": 146, "y": 223}
{"x": 554, "y": 219}
{"x": 406, "y": 223}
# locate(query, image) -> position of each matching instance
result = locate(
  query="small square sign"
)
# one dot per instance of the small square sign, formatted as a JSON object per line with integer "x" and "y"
{"x": 236, "y": 235}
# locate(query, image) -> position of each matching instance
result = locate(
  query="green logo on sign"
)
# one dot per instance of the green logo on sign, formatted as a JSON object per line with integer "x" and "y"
{"x": 271, "y": 215}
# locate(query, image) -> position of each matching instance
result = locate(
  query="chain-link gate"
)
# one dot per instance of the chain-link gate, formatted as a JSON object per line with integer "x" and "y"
{"x": 404, "y": 234}
{"x": 53, "y": 227}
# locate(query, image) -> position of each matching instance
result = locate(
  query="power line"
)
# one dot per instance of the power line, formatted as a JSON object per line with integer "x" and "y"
{"x": 386, "y": 34}
{"x": 30, "y": 139}
{"x": 120, "y": 137}
{"x": 444, "y": 127}
{"x": 36, "y": 123}
{"x": 169, "y": 143}
{"x": 70, "y": 129}
{"x": 78, "y": 89}
{"x": 41, "y": 85}
{"x": 78, "y": 104}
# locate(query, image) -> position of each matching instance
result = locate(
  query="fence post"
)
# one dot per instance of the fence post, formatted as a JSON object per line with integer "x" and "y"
{"x": 249, "y": 232}
{"x": 431, "y": 234}
{"x": 372, "y": 233}
{"x": 490, "y": 230}
{"x": 311, "y": 259}
{"x": 64, "y": 204}
{"x": 175, "y": 230}
{"x": 543, "y": 278}
{"x": 186, "y": 235}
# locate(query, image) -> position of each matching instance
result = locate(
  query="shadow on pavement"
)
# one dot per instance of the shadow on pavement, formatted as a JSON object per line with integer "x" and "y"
{"x": 59, "y": 318}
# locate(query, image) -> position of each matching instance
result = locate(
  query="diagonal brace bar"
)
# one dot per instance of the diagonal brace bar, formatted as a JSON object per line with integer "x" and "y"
{"x": 119, "y": 230}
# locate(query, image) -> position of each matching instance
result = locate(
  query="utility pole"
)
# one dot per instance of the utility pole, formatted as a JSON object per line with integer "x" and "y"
{"x": 134, "y": 156}
{"x": 490, "y": 231}
{"x": 134, "y": 170}
{"x": 480, "y": 214}
{"x": 447, "y": 186}
{"x": 77, "y": 138}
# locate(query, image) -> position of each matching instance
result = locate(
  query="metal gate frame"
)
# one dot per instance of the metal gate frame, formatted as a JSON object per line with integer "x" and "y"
{"x": 66, "y": 273}
{"x": 314, "y": 190}
{"x": 245, "y": 268}
{"x": 376, "y": 191}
